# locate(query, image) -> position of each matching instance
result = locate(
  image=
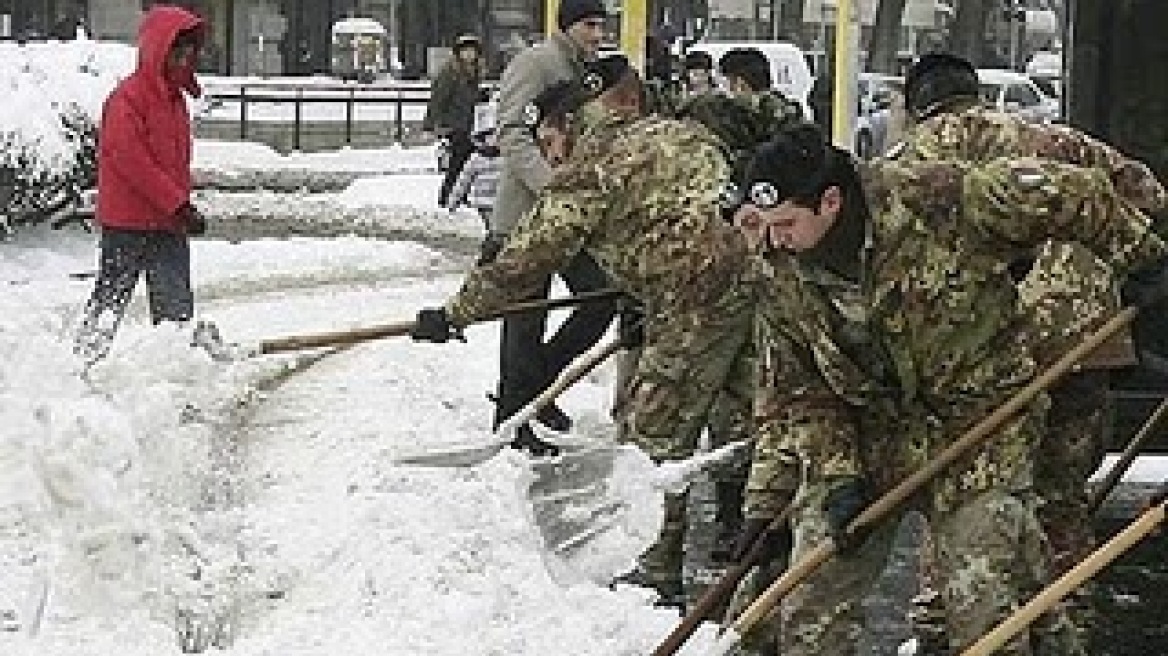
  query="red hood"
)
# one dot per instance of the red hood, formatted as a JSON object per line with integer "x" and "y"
{"x": 160, "y": 25}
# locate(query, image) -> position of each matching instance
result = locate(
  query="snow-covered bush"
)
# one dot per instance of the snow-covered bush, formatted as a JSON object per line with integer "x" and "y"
{"x": 34, "y": 190}
{"x": 52, "y": 101}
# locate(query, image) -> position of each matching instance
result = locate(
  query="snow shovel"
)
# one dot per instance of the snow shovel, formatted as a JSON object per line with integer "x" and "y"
{"x": 471, "y": 454}
{"x": 982, "y": 432}
{"x": 1075, "y": 577}
{"x": 598, "y": 508}
{"x": 400, "y": 328}
{"x": 1126, "y": 458}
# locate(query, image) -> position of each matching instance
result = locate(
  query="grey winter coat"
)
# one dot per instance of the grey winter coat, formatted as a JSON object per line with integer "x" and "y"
{"x": 525, "y": 172}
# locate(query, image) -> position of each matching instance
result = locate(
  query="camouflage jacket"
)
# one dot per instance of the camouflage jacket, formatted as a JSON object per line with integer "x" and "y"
{"x": 923, "y": 336}
{"x": 641, "y": 196}
{"x": 1067, "y": 291}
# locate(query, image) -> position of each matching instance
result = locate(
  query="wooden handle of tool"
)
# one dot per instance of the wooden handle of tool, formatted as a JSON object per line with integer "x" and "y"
{"x": 1075, "y": 577}
{"x": 568, "y": 377}
{"x": 715, "y": 594}
{"x": 399, "y": 329}
{"x": 336, "y": 338}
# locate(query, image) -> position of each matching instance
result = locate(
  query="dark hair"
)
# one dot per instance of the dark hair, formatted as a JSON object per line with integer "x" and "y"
{"x": 936, "y": 78}
{"x": 748, "y": 64}
{"x": 802, "y": 164}
{"x": 556, "y": 103}
{"x": 698, "y": 60}
{"x": 189, "y": 37}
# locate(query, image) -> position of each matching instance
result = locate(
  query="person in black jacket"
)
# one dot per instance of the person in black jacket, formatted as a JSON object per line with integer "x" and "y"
{"x": 450, "y": 112}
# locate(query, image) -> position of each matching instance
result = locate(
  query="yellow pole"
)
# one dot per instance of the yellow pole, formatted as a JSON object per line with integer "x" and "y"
{"x": 549, "y": 17}
{"x": 847, "y": 47}
{"x": 634, "y": 19}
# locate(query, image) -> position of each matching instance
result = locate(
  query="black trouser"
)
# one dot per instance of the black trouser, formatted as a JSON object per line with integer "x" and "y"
{"x": 164, "y": 258}
{"x": 527, "y": 364}
{"x": 460, "y": 149}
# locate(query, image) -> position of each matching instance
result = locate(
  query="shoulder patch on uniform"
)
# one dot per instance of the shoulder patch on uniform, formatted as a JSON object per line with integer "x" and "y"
{"x": 531, "y": 115}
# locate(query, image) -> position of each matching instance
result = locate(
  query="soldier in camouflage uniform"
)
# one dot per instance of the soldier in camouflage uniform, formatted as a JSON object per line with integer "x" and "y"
{"x": 642, "y": 197}
{"x": 892, "y": 330}
{"x": 1067, "y": 292}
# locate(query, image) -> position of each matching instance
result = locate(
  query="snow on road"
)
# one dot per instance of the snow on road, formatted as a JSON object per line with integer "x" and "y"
{"x": 288, "y": 517}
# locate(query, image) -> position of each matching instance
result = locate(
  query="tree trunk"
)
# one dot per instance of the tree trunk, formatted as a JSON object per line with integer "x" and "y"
{"x": 967, "y": 34}
{"x": 885, "y": 36}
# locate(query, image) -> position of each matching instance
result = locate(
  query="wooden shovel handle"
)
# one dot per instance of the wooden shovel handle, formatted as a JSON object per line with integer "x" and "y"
{"x": 1075, "y": 577}
{"x": 401, "y": 328}
{"x": 715, "y": 594}
{"x": 336, "y": 338}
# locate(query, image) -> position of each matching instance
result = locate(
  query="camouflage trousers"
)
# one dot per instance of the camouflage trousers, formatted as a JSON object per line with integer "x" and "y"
{"x": 695, "y": 369}
{"x": 990, "y": 557}
{"x": 1071, "y": 450}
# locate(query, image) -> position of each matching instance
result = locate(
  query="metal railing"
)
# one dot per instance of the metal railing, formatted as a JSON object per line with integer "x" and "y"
{"x": 397, "y": 95}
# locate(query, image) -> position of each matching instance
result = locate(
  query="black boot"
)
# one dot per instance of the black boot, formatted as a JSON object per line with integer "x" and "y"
{"x": 525, "y": 440}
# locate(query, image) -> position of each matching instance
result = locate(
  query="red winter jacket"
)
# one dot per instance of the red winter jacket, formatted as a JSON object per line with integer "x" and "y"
{"x": 144, "y": 145}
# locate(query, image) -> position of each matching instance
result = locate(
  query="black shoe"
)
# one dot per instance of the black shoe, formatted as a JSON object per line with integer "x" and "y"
{"x": 525, "y": 440}
{"x": 554, "y": 418}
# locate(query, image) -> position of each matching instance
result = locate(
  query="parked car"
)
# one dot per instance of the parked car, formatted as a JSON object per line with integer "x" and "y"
{"x": 1011, "y": 91}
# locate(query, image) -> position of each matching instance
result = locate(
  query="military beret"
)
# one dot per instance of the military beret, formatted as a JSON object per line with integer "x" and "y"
{"x": 935, "y": 77}
{"x": 604, "y": 73}
{"x": 794, "y": 164}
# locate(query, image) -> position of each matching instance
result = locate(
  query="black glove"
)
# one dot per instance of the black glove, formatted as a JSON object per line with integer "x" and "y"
{"x": 433, "y": 325}
{"x": 776, "y": 543}
{"x": 842, "y": 504}
{"x": 490, "y": 248}
{"x": 631, "y": 327}
{"x": 1147, "y": 286}
{"x": 192, "y": 219}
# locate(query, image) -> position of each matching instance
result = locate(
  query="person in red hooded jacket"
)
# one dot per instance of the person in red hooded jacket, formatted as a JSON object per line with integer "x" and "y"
{"x": 144, "y": 181}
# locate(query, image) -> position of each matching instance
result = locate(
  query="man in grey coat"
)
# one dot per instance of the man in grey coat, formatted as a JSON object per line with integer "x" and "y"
{"x": 526, "y": 363}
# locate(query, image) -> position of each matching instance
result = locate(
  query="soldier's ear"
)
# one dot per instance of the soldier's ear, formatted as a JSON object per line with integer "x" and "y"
{"x": 831, "y": 201}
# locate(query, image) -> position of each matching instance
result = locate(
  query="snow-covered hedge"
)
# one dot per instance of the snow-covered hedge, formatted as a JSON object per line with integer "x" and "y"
{"x": 52, "y": 101}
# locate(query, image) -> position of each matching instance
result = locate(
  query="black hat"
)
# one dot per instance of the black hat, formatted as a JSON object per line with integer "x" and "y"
{"x": 573, "y": 11}
{"x": 467, "y": 41}
{"x": 936, "y": 77}
{"x": 698, "y": 59}
{"x": 604, "y": 73}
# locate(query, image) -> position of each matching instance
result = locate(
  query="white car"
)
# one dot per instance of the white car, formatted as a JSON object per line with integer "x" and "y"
{"x": 1014, "y": 92}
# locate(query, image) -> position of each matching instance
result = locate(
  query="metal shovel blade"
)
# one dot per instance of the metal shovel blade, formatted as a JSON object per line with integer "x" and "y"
{"x": 597, "y": 509}
{"x": 600, "y": 507}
